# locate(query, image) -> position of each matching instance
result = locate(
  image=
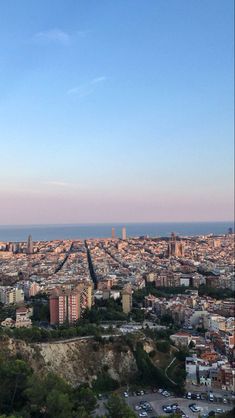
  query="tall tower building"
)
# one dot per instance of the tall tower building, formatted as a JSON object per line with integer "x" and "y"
{"x": 30, "y": 245}
{"x": 113, "y": 233}
{"x": 123, "y": 233}
{"x": 67, "y": 305}
{"x": 175, "y": 248}
{"x": 127, "y": 299}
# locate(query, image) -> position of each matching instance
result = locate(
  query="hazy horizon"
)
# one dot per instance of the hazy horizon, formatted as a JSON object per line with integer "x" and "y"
{"x": 116, "y": 223}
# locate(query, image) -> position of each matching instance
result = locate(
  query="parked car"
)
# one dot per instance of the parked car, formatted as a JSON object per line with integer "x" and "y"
{"x": 138, "y": 408}
{"x": 219, "y": 411}
{"x": 194, "y": 407}
{"x": 149, "y": 409}
{"x": 146, "y": 405}
{"x": 211, "y": 397}
{"x": 125, "y": 395}
{"x": 143, "y": 414}
{"x": 167, "y": 409}
{"x": 189, "y": 395}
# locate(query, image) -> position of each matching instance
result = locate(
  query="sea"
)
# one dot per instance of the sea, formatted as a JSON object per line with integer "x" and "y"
{"x": 20, "y": 233}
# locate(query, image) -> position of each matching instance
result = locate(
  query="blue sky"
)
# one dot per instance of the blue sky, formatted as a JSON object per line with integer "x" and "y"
{"x": 116, "y": 110}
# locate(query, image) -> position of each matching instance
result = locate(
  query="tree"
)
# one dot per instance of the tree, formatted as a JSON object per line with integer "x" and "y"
{"x": 13, "y": 380}
{"x": 105, "y": 382}
{"x": 117, "y": 408}
{"x": 85, "y": 397}
{"x": 58, "y": 404}
{"x": 182, "y": 354}
{"x": 82, "y": 413}
{"x": 191, "y": 345}
{"x": 163, "y": 346}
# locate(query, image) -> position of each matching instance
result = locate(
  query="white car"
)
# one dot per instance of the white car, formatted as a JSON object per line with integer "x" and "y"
{"x": 211, "y": 397}
{"x": 143, "y": 414}
{"x": 138, "y": 408}
{"x": 165, "y": 393}
{"x": 125, "y": 395}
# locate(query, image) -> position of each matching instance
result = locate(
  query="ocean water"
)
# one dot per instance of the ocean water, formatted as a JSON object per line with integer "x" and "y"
{"x": 81, "y": 231}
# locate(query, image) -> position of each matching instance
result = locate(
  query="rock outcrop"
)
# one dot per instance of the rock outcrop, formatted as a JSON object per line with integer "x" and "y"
{"x": 77, "y": 361}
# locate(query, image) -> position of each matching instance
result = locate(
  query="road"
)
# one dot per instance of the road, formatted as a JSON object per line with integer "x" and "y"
{"x": 71, "y": 340}
{"x": 203, "y": 389}
{"x": 169, "y": 365}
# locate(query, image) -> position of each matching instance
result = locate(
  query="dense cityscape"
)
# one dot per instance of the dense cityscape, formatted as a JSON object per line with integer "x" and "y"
{"x": 131, "y": 288}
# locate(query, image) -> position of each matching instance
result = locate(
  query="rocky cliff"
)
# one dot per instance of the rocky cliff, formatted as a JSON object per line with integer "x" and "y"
{"x": 77, "y": 361}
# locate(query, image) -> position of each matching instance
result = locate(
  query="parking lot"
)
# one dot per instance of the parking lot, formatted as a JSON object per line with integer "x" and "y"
{"x": 157, "y": 401}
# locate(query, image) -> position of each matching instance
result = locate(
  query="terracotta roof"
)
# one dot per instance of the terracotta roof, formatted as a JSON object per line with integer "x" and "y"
{"x": 22, "y": 309}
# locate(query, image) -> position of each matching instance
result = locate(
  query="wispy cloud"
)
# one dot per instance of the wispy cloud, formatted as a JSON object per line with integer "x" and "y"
{"x": 87, "y": 88}
{"x": 52, "y": 36}
{"x": 98, "y": 80}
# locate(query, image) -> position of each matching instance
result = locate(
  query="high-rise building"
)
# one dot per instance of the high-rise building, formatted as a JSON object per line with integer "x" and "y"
{"x": 30, "y": 245}
{"x": 123, "y": 233}
{"x": 34, "y": 289}
{"x": 113, "y": 233}
{"x": 127, "y": 299}
{"x": 11, "y": 295}
{"x": 67, "y": 305}
{"x": 175, "y": 248}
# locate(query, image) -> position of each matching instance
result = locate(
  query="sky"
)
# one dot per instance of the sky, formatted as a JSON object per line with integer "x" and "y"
{"x": 116, "y": 111}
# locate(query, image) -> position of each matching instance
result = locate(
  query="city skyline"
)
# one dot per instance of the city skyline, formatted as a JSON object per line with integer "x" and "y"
{"x": 116, "y": 112}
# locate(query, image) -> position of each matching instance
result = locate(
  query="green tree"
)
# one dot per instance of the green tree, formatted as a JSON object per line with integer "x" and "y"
{"x": 58, "y": 404}
{"x": 117, "y": 408}
{"x": 82, "y": 413}
{"x": 105, "y": 383}
{"x": 13, "y": 381}
{"x": 85, "y": 397}
{"x": 163, "y": 346}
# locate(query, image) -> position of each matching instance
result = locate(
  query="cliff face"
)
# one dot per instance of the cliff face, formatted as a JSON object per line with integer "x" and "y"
{"x": 76, "y": 361}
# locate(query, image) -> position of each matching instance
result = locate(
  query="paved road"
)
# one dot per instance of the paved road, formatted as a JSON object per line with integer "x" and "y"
{"x": 204, "y": 389}
{"x": 166, "y": 369}
{"x": 70, "y": 340}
